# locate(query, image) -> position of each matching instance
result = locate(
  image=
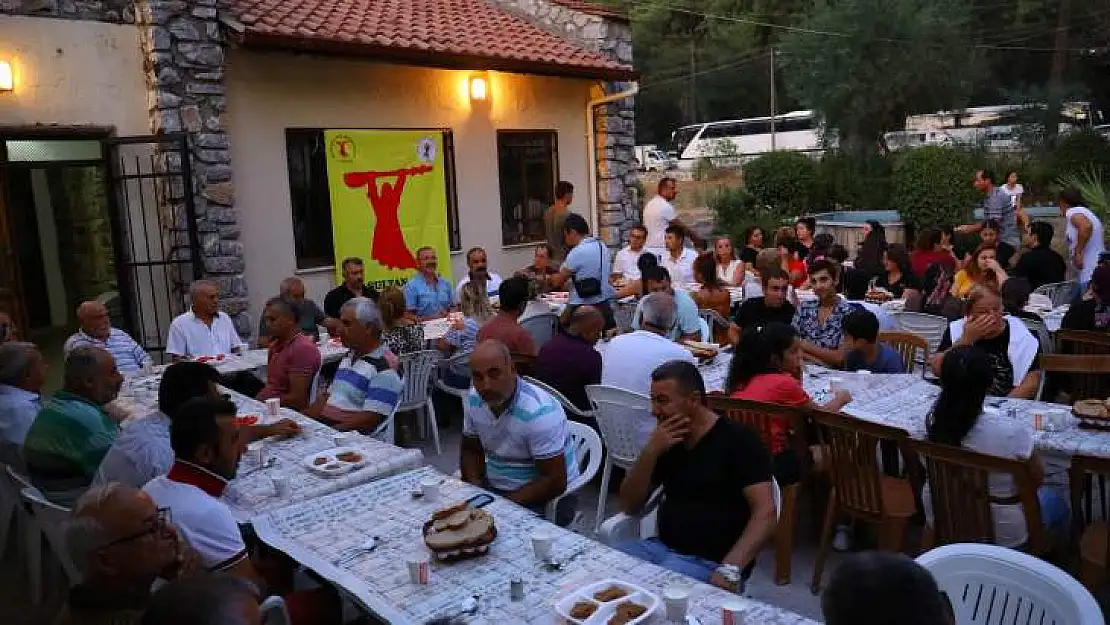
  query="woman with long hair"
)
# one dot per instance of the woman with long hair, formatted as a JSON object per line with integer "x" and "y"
{"x": 897, "y": 276}
{"x": 790, "y": 256}
{"x": 476, "y": 310}
{"x": 958, "y": 419}
{"x": 869, "y": 257}
{"x": 929, "y": 249}
{"x": 983, "y": 269}
{"x": 730, "y": 270}
{"x": 402, "y": 334}
{"x": 753, "y": 243}
{"x": 767, "y": 367}
{"x": 712, "y": 295}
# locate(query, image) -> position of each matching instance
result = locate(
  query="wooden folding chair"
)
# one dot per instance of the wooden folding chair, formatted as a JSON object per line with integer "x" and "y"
{"x": 759, "y": 417}
{"x": 959, "y": 489}
{"x": 908, "y": 344}
{"x": 1092, "y": 532}
{"x": 1088, "y": 376}
{"x": 860, "y": 490}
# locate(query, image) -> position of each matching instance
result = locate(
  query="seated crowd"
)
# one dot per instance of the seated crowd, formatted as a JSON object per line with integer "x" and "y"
{"x": 146, "y": 498}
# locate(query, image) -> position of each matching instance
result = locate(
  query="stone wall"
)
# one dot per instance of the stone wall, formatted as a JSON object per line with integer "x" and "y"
{"x": 619, "y": 204}
{"x": 185, "y": 58}
{"x": 114, "y": 11}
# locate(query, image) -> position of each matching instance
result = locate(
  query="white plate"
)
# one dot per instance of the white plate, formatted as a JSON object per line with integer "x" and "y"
{"x": 605, "y": 610}
{"x": 334, "y": 467}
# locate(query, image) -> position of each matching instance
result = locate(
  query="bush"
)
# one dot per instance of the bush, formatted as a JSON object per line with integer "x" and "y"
{"x": 784, "y": 181}
{"x": 736, "y": 209}
{"x": 854, "y": 181}
{"x": 932, "y": 187}
{"x": 1079, "y": 152}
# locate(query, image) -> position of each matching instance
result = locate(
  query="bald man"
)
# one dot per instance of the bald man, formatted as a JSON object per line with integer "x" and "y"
{"x": 96, "y": 331}
{"x": 568, "y": 362}
{"x": 516, "y": 440}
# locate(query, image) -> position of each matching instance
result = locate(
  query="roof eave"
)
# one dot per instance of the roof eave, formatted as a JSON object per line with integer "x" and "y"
{"x": 256, "y": 40}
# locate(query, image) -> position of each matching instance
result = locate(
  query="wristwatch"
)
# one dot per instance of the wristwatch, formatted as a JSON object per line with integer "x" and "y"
{"x": 730, "y": 572}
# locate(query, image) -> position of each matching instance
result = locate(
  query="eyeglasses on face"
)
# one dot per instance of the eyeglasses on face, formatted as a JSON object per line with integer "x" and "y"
{"x": 161, "y": 523}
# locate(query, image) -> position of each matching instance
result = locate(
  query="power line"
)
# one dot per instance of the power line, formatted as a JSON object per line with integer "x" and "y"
{"x": 717, "y": 68}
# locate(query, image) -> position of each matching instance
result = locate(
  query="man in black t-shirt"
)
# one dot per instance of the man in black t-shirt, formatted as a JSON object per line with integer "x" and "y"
{"x": 772, "y": 307}
{"x": 352, "y": 287}
{"x": 718, "y": 504}
{"x": 1040, "y": 264}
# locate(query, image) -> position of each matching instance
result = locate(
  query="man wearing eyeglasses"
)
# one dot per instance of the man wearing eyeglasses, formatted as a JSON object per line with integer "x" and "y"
{"x": 120, "y": 542}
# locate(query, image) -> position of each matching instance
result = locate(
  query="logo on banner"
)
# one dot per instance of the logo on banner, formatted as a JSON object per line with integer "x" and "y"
{"x": 342, "y": 148}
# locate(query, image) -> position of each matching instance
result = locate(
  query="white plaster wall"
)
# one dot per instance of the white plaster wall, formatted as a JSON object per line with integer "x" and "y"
{"x": 269, "y": 92}
{"x": 73, "y": 73}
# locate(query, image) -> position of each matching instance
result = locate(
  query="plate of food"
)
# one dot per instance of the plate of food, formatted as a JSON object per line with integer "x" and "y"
{"x": 459, "y": 532}
{"x": 701, "y": 349}
{"x": 216, "y": 358}
{"x": 608, "y": 602}
{"x": 1092, "y": 413}
{"x": 878, "y": 296}
{"x": 335, "y": 462}
{"x": 245, "y": 420}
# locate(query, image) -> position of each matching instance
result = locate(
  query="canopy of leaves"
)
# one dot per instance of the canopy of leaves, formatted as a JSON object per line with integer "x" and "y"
{"x": 903, "y": 57}
{"x": 932, "y": 187}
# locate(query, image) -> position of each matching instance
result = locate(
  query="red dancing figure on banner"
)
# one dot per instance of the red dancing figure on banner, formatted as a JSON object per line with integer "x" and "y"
{"x": 388, "y": 247}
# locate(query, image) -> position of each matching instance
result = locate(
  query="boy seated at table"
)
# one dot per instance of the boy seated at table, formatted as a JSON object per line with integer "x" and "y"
{"x": 862, "y": 349}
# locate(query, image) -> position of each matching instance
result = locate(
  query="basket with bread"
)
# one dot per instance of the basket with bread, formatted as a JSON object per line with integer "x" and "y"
{"x": 702, "y": 349}
{"x": 459, "y": 532}
{"x": 1092, "y": 413}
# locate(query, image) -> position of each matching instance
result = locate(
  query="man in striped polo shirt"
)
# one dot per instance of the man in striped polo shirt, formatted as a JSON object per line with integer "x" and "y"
{"x": 516, "y": 439}
{"x": 97, "y": 331}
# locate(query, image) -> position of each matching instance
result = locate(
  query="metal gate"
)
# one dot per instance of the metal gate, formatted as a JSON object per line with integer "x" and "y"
{"x": 155, "y": 230}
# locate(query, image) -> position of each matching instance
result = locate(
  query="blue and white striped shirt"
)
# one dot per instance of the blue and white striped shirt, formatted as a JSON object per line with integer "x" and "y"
{"x": 129, "y": 355}
{"x": 533, "y": 427}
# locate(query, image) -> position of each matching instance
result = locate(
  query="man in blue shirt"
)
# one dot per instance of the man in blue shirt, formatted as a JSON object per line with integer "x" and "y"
{"x": 586, "y": 267}
{"x": 97, "y": 331}
{"x": 861, "y": 331}
{"x": 687, "y": 322}
{"x": 22, "y": 373}
{"x": 428, "y": 295}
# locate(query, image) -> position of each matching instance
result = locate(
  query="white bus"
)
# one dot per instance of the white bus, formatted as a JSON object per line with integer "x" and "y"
{"x": 998, "y": 128}
{"x": 731, "y": 140}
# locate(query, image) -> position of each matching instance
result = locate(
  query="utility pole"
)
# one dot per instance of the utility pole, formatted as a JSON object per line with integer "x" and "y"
{"x": 773, "y": 106}
{"x": 1056, "y": 74}
{"x": 693, "y": 96}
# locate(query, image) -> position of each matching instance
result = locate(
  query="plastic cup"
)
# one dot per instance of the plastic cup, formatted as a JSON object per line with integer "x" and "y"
{"x": 418, "y": 568}
{"x": 836, "y": 384}
{"x": 282, "y": 485}
{"x": 340, "y": 440}
{"x": 541, "y": 543}
{"x": 256, "y": 453}
{"x": 732, "y": 612}
{"x": 430, "y": 488}
{"x": 677, "y": 602}
{"x": 1055, "y": 420}
{"x": 273, "y": 406}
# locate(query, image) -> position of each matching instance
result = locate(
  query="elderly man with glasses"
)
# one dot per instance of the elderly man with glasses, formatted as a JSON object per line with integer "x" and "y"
{"x": 120, "y": 542}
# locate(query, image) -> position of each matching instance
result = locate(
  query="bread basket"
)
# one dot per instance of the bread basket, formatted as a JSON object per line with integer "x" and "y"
{"x": 459, "y": 533}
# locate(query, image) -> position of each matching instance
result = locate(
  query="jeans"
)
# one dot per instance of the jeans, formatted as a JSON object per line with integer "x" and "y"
{"x": 1055, "y": 514}
{"x": 654, "y": 551}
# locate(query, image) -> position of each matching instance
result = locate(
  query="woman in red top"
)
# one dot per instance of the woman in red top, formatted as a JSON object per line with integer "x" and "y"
{"x": 929, "y": 249}
{"x": 767, "y": 367}
{"x": 789, "y": 253}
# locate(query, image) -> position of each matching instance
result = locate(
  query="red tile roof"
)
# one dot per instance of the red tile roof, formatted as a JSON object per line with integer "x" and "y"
{"x": 462, "y": 34}
{"x": 594, "y": 8}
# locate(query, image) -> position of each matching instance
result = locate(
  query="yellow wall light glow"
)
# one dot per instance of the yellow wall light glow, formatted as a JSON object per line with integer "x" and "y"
{"x": 479, "y": 88}
{"x": 7, "y": 80}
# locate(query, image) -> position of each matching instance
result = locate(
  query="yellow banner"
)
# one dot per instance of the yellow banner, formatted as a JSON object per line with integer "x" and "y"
{"x": 388, "y": 199}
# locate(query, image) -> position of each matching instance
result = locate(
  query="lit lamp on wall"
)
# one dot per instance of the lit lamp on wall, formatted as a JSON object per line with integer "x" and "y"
{"x": 479, "y": 88}
{"x": 7, "y": 80}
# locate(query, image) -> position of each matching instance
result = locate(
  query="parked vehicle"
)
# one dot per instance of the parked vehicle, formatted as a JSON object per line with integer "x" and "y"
{"x": 734, "y": 139}
{"x": 651, "y": 158}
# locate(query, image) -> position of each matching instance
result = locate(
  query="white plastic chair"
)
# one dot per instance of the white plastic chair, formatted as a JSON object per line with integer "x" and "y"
{"x": 273, "y": 611}
{"x": 929, "y": 327}
{"x": 988, "y": 584}
{"x": 1040, "y": 331}
{"x": 416, "y": 374}
{"x": 10, "y": 508}
{"x": 314, "y": 388}
{"x": 623, "y": 418}
{"x": 458, "y": 364}
{"x": 541, "y": 327}
{"x": 706, "y": 335}
{"x": 47, "y": 519}
{"x": 386, "y": 430}
{"x": 587, "y": 452}
{"x": 1059, "y": 292}
{"x": 623, "y": 527}
{"x": 568, "y": 405}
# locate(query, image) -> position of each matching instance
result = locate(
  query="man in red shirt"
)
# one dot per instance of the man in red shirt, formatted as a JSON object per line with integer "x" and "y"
{"x": 294, "y": 359}
{"x": 513, "y": 296}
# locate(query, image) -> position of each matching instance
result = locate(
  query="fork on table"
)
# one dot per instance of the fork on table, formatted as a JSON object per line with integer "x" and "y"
{"x": 351, "y": 554}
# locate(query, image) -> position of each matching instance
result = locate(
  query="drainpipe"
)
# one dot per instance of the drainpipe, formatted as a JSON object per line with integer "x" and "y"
{"x": 591, "y": 148}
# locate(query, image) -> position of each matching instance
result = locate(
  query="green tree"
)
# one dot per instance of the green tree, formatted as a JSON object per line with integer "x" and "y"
{"x": 901, "y": 57}
{"x": 932, "y": 187}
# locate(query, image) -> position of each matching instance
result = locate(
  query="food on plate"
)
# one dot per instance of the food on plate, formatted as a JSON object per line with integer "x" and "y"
{"x": 320, "y": 460}
{"x": 459, "y": 527}
{"x": 626, "y": 612}
{"x": 583, "y": 610}
{"x": 1090, "y": 409}
{"x": 611, "y": 593}
{"x": 349, "y": 456}
{"x": 878, "y": 296}
{"x": 246, "y": 420}
{"x": 700, "y": 349}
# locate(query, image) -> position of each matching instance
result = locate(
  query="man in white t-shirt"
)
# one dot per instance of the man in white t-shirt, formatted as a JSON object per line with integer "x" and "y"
{"x": 659, "y": 214}
{"x": 204, "y": 330}
{"x": 678, "y": 259}
{"x": 1084, "y": 234}
{"x": 478, "y": 265}
{"x": 625, "y": 267}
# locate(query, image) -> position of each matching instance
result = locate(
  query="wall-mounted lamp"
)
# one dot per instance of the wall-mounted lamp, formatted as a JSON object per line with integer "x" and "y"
{"x": 479, "y": 88}
{"x": 7, "y": 81}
